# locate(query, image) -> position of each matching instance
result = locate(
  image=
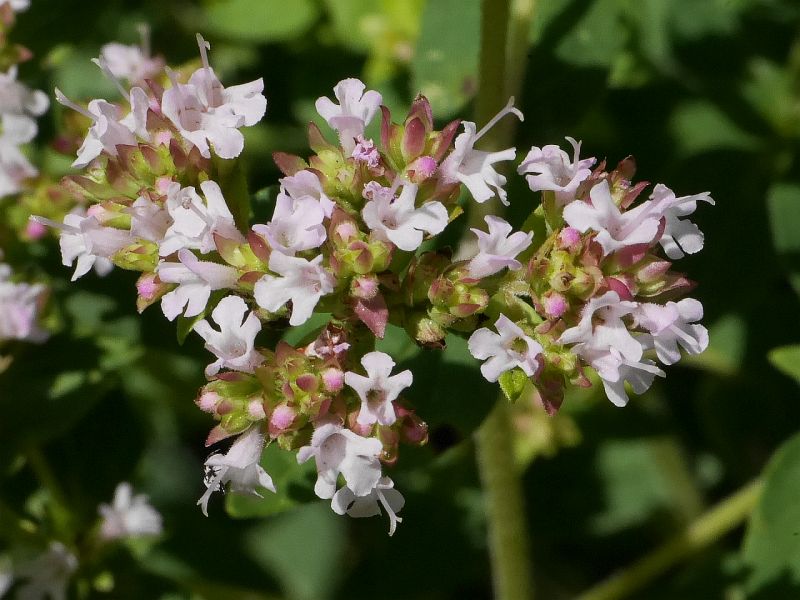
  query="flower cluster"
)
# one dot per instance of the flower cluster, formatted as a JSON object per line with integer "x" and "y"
{"x": 350, "y": 238}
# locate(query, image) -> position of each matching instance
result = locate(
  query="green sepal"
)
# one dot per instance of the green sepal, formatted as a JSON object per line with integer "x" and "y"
{"x": 513, "y": 383}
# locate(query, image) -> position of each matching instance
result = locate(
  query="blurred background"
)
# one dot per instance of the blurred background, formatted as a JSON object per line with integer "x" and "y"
{"x": 705, "y": 96}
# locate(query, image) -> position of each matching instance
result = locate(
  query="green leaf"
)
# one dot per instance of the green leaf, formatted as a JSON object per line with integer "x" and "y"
{"x": 293, "y": 483}
{"x": 597, "y": 38}
{"x": 445, "y": 65}
{"x": 699, "y": 126}
{"x": 783, "y": 203}
{"x": 771, "y": 548}
{"x": 787, "y": 360}
{"x": 259, "y": 20}
{"x": 728, "y": 339}
{"x": 512, "y": 383}
{"x": 303, "y": 549}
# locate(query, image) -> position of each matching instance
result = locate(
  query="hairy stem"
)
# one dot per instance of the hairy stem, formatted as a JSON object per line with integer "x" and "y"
{"x": 508, "y": 542}
{"x": 705, "y": 530}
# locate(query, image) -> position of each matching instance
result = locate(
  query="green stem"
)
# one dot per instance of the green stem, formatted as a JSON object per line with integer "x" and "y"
{"x": 705, "y": 530}
{"x": 508, "y": 542}
{"x": 59, "y": 507}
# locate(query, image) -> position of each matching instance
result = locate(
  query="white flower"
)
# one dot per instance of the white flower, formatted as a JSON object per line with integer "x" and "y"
{"x": 239, "y": 467}
{"x": 16, "y": 5}
{"x": 550, "y": 168}
{"x": 602, "y": 339}
{"x": 303, "y": 282}
{"x": 473, "y": 167}
{"x": 149, "y": 221}
{"x": 195, "y": 222}
{"x": 85, "y": 239}
{"x": 615, "y": 230}
{"x": 206, "y": 113}
{"x": 505, "y": 350}
{"x": 680, "y": 235}
{"x": 129, "y": 515}
{"x": 296, "y": 225}
{"x": 498, "y": 248}
{"x": 48, "y": 574}
{"x": 18, "y": 99}
{"x": 378, "y": 390}
{"x": 234, "y": 343}
{"x": 196, "y": 280}
{"x": 306, "y": 183}
{"x": 397, "y": 220}
{"x": 15, "y": 167}
{"x": 20, "y": 304}
{"x": 109, "y": 128}
{"x": 383, "y": 494}
{"x": 353, "y": 113}
{"x": 338, "y": 450}
{"x": 674, "y": 324}
{"x": 132, "y": 63}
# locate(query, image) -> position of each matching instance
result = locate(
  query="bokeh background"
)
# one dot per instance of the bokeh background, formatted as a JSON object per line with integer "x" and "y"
{"x": 705, "y": 95}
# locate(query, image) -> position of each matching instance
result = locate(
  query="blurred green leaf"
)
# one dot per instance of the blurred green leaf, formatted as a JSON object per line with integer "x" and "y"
{"x": 727, "y": 344}
{"x": 771, "y": 547}
{"x": 597, "y": 38}
{"x": 770, "y": 90}
{"x": 445, "y": 64}
{"x": 259, "y": 20}
{"x": 787, "y": 360}
{"x": 699, "y": 126}
{"x": 303, "y": 549}
{"x": 783, "y": 203}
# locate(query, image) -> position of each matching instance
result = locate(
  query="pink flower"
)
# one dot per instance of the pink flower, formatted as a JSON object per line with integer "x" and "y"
{"x": 353, "y": 113}
{"x": 550, "y": 168}
{"x": 674, "y": 324}
{"x": 303, "y": 282}
{"x": 378, "y": 389}
{"x": 507, "y": 349}
{"x": 341, "y": 451}
{"x": 498, "y": 248}
{"x": 234, "y": 343}
{"x": 473, "y": 167}
{"x": 399, "y": 222}
{"x": 296, "y": 225}
{"x": 306, "y": 183}
{"x": 20, "y": 305}
{"x": 615, "y": 230}
{"x": 680, "y": 235}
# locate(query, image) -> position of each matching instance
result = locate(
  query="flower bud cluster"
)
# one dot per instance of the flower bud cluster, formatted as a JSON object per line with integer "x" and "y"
{"x": 346, "y": 240}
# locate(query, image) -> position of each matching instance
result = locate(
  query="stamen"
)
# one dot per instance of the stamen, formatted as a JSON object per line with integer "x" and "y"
{"x": 204, "y": 46}
{"x": 393, "y": 518}
{"x": 107, "y": 72}
{"x": 144, "y": 36}
{"x": 62, "y": 99}
{"x": 54, "y": 224}
{"x": 507, "y": 109}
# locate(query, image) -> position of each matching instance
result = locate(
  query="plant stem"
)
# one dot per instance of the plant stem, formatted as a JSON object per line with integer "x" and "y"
{"x": 508, "y": 541}
{"x": 59, "y": 508}
{"x": 706, "y": 529}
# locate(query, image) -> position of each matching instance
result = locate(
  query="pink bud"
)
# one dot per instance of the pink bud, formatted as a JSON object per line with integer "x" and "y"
{"x": 616, "y": 285}
{"x": 414, "y": 139}
{"x": 35, "y": 230}
{"x": 281, "y": 419}
{"x": 146, "y": 286}
{"x": 554, "y": 305}
{"x": 308, "y": 383}
{"x": 333, "y": 379}
{"x": 162, "y": 185}
{"x": 422, "y": 168}
{"x": 346, "y": 230}
{"x": 570, "y": 238}
{"x": 208, "y": 401}
{"x": 364, "y": 287}
{"x": 255, "y": 408}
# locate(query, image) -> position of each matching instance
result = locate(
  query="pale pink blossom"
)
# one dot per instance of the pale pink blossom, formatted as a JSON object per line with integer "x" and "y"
{"x": 674, "y": 324}
{"x": 301, "y": 281}
{"x": 296, "y": 225}
{"x": 474, "y": 168}
{"x": 615, "y": 229}
{"x": 366, "y": 152}
{"x": 207, "y": 113}
{"x": 234, "y": 343}
{"x": 132, "y": 63}
{"x": 47, "y": 575}
{"x": 378, "y": 389}
{"x": 353, "y": 113}
{"x": 550, "y": 168}
{"x": 680, "y": 235}
{"x": 196, "y": 280}
{"x": 341, "y": 451}
{"x": 149, "y": 221}
{"x": 239, "y": 467}
{"x": 306, "y": 183}
{"x": 399, "y": 222}
{"x": 20, "y": 307}
{"x": 498, "y": 248}
{"x": 507, "y": 349}
{"x": 195, "y": 222}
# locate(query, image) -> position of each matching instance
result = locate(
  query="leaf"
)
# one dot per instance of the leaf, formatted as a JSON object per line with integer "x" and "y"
{"x": 783, "y": 203}
{"x": 771, "y": 547}
{"x": 184, "y": 325}
{"x": 259, "y": 20}
{"x": 699, "y": 127}
{"x": 303, "y": 549}
{"x": 293, "y": 482}
{"x": 445, "y": 65}
{"x": 513, "y": 383}
{"x": 597, "y": 38}
{"x": 787, "y": 360}
{"x": 728, "y": 339}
